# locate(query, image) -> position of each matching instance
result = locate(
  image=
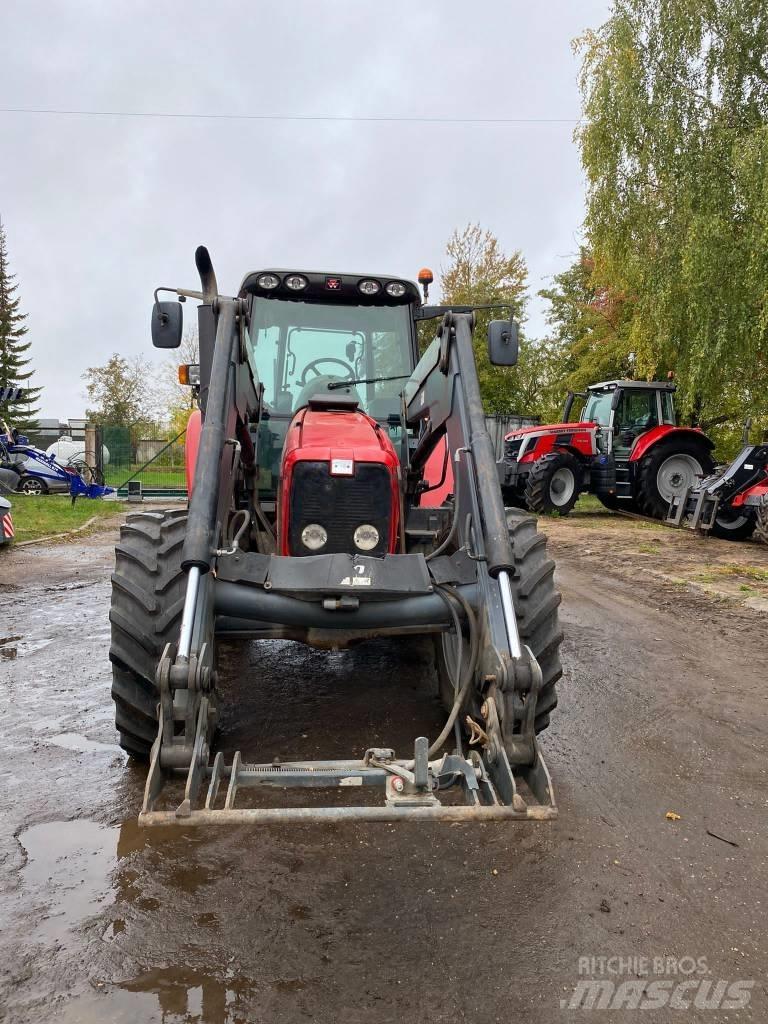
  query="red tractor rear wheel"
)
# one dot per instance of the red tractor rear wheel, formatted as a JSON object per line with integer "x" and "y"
{"x": 667, "y": 471}
{"x": 554, "y": 483}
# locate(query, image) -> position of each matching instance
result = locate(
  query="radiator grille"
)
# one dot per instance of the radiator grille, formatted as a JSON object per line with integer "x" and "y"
{"x": 340, "y": 504}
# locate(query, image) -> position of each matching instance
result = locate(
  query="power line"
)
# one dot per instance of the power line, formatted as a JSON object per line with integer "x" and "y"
{"x": 290, "y": 117}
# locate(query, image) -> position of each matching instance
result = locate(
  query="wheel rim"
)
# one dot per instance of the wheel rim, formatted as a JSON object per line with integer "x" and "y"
{"x": 561, "y": 487}
{"x": 676, "y": 474}
{"x": 32, "y": 487}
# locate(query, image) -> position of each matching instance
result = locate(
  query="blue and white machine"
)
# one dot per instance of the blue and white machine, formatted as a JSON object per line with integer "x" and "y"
{"x": 37, "y": 472}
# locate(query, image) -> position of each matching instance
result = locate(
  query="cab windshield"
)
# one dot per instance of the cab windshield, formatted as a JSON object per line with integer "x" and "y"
{"x": 300, "y": 348}
{"x": 598, "y": 408}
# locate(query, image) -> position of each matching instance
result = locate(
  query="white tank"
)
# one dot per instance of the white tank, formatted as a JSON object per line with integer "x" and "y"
{"x": 69, "y": 452}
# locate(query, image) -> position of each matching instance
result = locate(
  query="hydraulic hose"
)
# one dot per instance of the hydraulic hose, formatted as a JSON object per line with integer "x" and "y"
{"x": 461, "y": 688}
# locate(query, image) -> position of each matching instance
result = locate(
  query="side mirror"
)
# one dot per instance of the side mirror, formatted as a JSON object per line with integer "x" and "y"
{"x": 167, "y": 323}
{"x": 615, "y": 399}
{"x": 503, "y": 342}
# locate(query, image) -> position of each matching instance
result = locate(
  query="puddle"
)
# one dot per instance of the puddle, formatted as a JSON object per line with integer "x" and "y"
{"x": 82, "y": 745}
{"x": 168, "y": 995}
{"x": 68, "y": 868}
{"x": 12, "y": 647}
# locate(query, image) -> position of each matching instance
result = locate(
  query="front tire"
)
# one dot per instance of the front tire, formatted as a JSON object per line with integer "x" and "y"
{"x": 761, "y": 521}
{"x": 667, "y": 471}
{"x": 32, "y": 485}
{"x": 148, "y": 588}
{"x": 733, "y": 526}
{"x": 554, "y": 483}
{"x": 536, "y": 603}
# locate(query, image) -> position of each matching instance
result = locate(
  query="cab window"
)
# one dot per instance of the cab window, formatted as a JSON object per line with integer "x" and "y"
{"x": 299, "y": 348}
{"x": 598, "y": 408}
{"x": 637, "y": 410}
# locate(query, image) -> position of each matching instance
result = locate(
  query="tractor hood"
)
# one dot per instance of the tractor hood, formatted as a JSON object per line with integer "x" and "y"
{"x": 549, "y": 428}
{"x": 340, "y": 472}
{"x": 341, "y": 433}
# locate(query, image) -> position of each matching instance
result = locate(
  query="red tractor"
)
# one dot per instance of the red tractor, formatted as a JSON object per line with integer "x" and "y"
{"x": 626, "y": 448}
{"x": 342, "y": 489}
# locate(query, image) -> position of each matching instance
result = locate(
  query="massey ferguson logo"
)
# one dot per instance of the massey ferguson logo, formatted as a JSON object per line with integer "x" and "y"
{"x": 333, "y": 284}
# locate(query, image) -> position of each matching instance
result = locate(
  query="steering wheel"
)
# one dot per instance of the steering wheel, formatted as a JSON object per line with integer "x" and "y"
{"x": 350, "y": 373}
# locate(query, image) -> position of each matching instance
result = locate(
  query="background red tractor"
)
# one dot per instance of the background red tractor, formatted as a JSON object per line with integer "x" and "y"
{"x": 626, "y": 448}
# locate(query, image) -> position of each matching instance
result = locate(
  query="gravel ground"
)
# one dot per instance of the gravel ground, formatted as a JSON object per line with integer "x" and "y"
{"x": 663, "y": 708}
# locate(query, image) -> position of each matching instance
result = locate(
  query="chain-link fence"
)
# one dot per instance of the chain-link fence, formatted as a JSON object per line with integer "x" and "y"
{"x": 150, "y": 456}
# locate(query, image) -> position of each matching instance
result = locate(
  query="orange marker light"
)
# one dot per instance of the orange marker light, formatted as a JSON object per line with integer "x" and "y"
{"x": 184, "y": 373}
{"x": 426, "y": 277}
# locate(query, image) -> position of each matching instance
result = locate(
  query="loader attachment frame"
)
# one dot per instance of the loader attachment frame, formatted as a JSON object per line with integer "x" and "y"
{"x": 462, "y": 585}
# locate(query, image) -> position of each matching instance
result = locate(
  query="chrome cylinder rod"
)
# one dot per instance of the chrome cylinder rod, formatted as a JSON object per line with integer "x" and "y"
{"x": 508, "y": 607}
{"x": 188, "y": 615}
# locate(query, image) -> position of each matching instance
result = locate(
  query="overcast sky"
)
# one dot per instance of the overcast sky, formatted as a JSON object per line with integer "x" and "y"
{"x": 100, "y": 210}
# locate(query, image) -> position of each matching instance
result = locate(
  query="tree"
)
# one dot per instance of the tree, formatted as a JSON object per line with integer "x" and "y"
{"x": 14, "y": 362}
{"x": 120, "y": 391}
{"x": 674, "y": 143}
{"x": 480, "y": 273}
{"x": 590, "y": 322}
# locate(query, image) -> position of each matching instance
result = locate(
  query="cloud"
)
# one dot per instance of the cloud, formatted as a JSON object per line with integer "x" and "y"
{"x": 100, "y": 210}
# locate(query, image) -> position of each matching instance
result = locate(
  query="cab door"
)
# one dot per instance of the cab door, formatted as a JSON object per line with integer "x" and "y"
{"x": 637, "y": 411}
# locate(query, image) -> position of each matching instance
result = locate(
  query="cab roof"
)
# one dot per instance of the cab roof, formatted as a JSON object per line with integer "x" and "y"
{"x": 637, "y": 385}
{"x": 324, "y": 286}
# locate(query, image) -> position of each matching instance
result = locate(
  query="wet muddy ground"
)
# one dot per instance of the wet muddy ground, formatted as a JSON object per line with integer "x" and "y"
{"x": 663, "y": 708}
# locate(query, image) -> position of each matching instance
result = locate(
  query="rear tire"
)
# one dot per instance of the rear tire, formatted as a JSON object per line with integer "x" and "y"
{"x": 666, "y": 471}
{"x": 554, "y": 483}
{"x": 148, "y": 588}
{"x": 536, "y": 606}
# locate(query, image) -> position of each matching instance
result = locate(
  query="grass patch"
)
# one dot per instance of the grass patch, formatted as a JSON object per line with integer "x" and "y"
{"x": 35, "y": 517}
{"x": 154, "y": 477}
{"x": 589, "y": 504}
{"x": 651, "y": 548}
{"x": 749, "y": 571}
{"x": 760, "y": 575}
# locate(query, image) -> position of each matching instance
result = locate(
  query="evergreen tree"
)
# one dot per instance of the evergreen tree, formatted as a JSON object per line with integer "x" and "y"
{"x": 14, "y": 362}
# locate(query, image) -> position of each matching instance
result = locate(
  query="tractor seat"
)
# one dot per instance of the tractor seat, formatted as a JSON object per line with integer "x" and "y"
{"x": 319, "y": 386}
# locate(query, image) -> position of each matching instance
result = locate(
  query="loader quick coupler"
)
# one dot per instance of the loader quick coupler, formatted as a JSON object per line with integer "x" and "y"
{"x": 484, "y": 778}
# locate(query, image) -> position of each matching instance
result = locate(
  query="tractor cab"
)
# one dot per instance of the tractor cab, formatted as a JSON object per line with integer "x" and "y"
{"x": 625, "y": 409}
{"x": 337, "y": 340}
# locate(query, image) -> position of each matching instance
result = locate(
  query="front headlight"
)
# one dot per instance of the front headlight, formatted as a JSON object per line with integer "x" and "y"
{"x": 314, "y": 537}
{"x": 366, "y": 537}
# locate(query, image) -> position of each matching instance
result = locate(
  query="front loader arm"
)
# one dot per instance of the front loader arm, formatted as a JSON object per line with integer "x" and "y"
{"x": 443, "y": 395}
